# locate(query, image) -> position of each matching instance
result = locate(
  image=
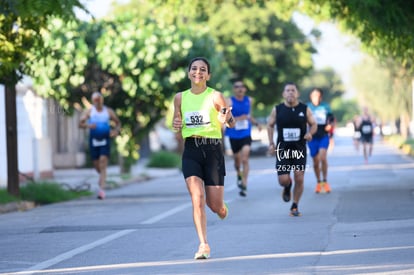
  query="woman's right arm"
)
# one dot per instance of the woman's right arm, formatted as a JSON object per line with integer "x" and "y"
{"x": 177, "y": 118}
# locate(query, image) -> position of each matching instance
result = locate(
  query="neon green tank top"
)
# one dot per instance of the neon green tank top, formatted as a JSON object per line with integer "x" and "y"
{"x": 199, "y": 115}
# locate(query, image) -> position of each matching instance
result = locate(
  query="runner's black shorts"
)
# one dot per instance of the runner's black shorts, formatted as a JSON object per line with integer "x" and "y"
{"x": 238, "y": 143}
{"x": 204, "y": 158}
{"x": 366, "y": 138}
{"x": 290, "y": 157}
{"x": 102, "y": 149}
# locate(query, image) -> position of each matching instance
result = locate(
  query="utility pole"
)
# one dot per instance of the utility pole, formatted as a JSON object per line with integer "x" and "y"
{"x": 11, "y": 139}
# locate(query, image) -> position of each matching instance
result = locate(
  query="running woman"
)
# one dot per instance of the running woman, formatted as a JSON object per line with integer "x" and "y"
{"x": 319, "y": 145}
{"x": 200, "y": 113}
{"x": 240, "y": 135}
{"x": 292, "y": 118}
{"x": 97, "y": 119}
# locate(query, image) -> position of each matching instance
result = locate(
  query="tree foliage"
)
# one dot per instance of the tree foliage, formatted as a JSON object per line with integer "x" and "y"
{"x": 327, "y": 80}
{"x": 257, "y": 38}
{"x": 21, "y": 22}
{"x": 136, "y": 63}
{"x": 344, "y": 109}
{"x": 384, "y": 89}
{"x": 384, "y": 27}
{"x": 261, "y": 48}
{"x": 138, "y": 56}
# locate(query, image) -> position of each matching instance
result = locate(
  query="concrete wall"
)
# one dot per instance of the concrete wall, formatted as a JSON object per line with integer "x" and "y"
{"x": 3, "y": 152}
{"x": 34, "y": 144}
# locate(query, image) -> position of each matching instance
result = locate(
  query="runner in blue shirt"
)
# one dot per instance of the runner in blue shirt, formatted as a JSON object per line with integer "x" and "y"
{"x": 319, "y": 144}
{"x": 240, "y": 135}
{"x": 98, "y": 120}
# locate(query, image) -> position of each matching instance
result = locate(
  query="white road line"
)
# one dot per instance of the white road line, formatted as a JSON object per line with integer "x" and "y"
{"x": 166, "y": 214}
{"x": 97, "y": 268}
{"x": 82, "y": 249}
{"x": 173, "y": 211}
{"x": 79, "y": 250}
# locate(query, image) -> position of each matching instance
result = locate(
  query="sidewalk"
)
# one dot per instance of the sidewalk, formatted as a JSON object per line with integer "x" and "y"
{"x": 88, "y": 178}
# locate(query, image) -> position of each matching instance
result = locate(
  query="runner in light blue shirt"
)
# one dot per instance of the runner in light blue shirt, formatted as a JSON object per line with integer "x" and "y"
{"x": 319, "y": 144}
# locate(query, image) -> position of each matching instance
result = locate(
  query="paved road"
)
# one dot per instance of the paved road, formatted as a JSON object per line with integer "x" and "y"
{"x": 365, "y": 226}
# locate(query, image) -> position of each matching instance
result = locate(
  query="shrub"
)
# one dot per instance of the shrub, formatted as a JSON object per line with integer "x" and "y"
{"x": 5, "y": 197}
{"x": 396, "y": 140}
{"x": 48, "y": 192}
{"x": 164, "y": 159}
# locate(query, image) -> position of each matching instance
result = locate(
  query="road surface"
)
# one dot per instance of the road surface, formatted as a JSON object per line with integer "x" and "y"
{"x": 365, "y": 226}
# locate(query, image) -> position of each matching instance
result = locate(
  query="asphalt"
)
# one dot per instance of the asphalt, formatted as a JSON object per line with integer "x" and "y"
{"x": 364, "y": 226}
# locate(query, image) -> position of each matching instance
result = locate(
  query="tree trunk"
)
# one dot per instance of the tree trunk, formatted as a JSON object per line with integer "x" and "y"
{"x": 405, "y": 125}
{"x": 412, "y": 108}
{"x": 11, "y": 137}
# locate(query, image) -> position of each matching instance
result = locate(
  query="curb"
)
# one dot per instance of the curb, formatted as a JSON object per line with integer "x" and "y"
{"x": 16, "y": 206}
{"x": 406, "y": 149}
{"x": 27, "y": 205}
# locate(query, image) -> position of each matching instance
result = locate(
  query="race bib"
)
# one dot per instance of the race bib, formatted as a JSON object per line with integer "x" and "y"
{"x": 291, "y": 134}
{"x": 242, "y": 124}
{"x": 366, "y": 129}
{"x": 98, "y": 142}
{"x": 320, "y": 116}
{"x": 196, "y": 119}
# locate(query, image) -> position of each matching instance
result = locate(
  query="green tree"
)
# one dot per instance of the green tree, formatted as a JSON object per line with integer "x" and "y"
{"x": 384, "y": 27}
{"x": 327, "y": 80}
{"x": 259, "y": 41}
{"x": 344, "y": 109}
{"x": 384, "y": 89}
{"x": 21, "y": 23}
{"x": 385, "y": 30}
{"x": 261, "y": 48}
{"x": 138, "y": 65}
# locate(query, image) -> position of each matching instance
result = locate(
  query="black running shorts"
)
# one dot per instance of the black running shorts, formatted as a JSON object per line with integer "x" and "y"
{"x": 204, "y": 158}
{"x": 99, "y": 147}
{"x": 237, "y": 144}
{"x": 366, "y": 138}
